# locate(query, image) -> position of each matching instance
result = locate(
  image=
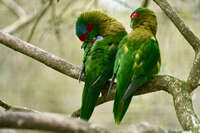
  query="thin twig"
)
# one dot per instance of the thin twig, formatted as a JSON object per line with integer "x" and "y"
{"x": 90, "y": 4}
{"x": 15, "y": 8}
{"x": 4, "y": 105}
{"x": 124, "y": 4}
{"x": 22, "y": 22}
{"x": 38, "y": 20}
{"x": 8, "y": 107}
{"x": 145, "y": 3}
{"x": 63, "y": 11}
{"x": 55, "y": 23}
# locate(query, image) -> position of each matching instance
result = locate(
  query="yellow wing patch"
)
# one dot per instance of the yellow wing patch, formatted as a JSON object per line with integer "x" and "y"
{"x": 118, "y": 62}
{"x": 137, "y": 56}
{"x": 153, "y": 38}
{"x": 158, "y": 64}
{"x": 125, "y": 48}
{"x": 136, "y": 65}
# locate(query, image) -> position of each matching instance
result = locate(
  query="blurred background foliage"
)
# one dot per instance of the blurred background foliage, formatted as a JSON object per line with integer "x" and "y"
{"x": 26, "y": 82}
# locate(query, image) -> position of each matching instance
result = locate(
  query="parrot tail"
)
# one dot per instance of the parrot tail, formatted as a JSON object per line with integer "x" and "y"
{"x": 89, "y": 99}
{"x": 122, "y": 102}
{"x": 120, "y": 108}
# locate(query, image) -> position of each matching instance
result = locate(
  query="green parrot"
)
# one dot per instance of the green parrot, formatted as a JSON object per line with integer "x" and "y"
{"x": 137, "y": 59}
{"x": 100, "y": 35}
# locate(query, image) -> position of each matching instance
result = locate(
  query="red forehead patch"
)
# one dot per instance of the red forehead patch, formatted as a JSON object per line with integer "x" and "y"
{"x": 83, "y": 37}
{"x": 89, "y": 27}
{"x": 136, "y": 15}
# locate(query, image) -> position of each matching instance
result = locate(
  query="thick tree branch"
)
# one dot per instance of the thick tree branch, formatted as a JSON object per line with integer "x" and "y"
{"x": 61, "y": 123}
{"x": 166, "y": 83}
{"x": 47, "y": 122}
{"x": 180, "y": 90}
{"x": 158, "y": 83}
{"x": 194, "y": 76}
{"x": 192, "y": 39}
{"x": 40, "y": 55}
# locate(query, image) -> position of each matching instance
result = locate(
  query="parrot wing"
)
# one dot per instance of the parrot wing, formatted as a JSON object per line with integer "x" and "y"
{"x": 136, "y": 66}
{"x": 98, "y": 69}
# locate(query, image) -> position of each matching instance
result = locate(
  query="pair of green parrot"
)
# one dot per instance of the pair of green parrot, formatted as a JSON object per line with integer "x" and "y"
{"x": 110, "y": 52}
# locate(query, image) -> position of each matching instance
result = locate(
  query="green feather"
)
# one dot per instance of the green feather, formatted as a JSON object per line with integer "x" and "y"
{"x": 99, "y": 56}
{"x": 137, "y": 60}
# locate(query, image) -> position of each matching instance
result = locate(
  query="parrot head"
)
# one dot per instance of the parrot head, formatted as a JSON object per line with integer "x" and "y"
{"x": 86, "y": 27}
{"x": 144, "y": 17}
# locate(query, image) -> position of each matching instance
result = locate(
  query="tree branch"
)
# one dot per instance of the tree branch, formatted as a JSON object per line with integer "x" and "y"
{"x": 14, "y": 7}
{"x": 158, "y": 83}
{"x": 40, "y": 55}
{"x": 22, "y": 22}
{"x": 194, "y": 76}
{"x": 61, "y": 123}
{"x": 180, "y": 90}
{"x": 38, "y": 20}
{"x": 124, "y": 4}
{"x": 167, "y": 83}
{"x": 47, "y": 122}
{"x": 145, "y": 3}
{"x": 8, "y": 107}
{"x": 192, "y": 39}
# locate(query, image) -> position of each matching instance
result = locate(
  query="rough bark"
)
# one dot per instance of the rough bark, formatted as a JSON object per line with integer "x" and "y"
{"x": 47, "y": 122}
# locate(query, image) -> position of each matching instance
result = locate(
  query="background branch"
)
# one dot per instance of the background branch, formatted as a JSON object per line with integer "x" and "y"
{"x": 39, "y": 17}
{"x": 145, "y": 3}
{"x": 192, "y": 39}
{"x": 22, "y": 22}
{"x": 14, "y": 7}
{"x": 8, "y": 107}
{"x": 124, "y": 4}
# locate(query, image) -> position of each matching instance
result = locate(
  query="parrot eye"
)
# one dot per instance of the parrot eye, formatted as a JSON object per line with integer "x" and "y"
{"x": 83, "y": 37}
{"x": 136, "y": 15}
{"x": 89, "y": 27}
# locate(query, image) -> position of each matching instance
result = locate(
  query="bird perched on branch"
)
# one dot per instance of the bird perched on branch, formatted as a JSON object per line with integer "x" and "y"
{"x": 137, "y": 59}
{"x": 100, "y": 35}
